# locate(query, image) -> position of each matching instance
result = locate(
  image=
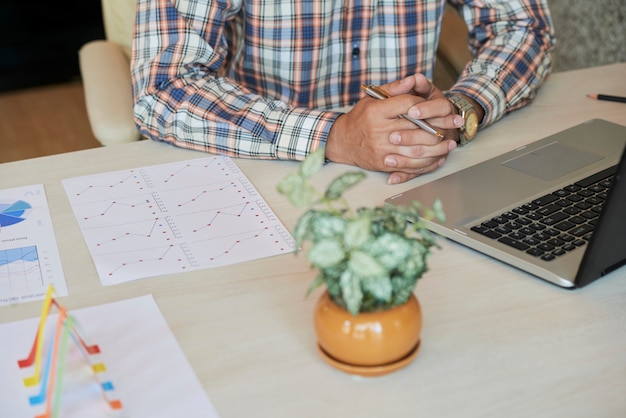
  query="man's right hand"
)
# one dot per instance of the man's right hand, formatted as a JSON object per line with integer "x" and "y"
{"x": 373, "y": 136}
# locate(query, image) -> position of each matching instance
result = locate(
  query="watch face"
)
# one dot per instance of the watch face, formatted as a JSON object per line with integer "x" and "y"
{"x": 471, "y": 125}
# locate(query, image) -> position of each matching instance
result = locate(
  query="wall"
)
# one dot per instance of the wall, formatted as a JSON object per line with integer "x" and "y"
{"x": 589, "y": 33}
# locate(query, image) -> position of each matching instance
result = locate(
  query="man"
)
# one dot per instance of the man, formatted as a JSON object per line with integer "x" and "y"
{"x": 264, "y": 79}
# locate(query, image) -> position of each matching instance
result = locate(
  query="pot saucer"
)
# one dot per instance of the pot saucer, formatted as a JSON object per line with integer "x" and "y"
{"x": 369, "y": 371}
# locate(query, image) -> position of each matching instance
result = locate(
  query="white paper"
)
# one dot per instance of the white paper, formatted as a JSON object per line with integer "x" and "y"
{"x": 149, "y": 372}
{"x": 173, "y": 218}
{"x": 29, "y": 256}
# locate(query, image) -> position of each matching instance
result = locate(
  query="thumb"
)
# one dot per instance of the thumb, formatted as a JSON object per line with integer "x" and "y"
{"x": 423, "y": 87}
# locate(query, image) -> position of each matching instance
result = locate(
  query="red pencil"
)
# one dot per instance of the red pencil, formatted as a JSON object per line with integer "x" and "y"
{"x": 607, "y": 97}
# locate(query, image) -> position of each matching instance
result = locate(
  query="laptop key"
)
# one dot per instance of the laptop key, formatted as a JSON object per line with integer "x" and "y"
{"x": 589, "y": 214}
{"x": 520, "y": 210}
{"x": 517, "y": 235}
{"x": 556, "y": 242}
{"x": 554, "y": 219}
{"x": 514, "y": 243}
{"x": 564, "y": 226}
{"x": 486, "y": 232}
{"x": 575, "y": 198}
{"x": 586, "y": 182}
{"x": 531, "y": 241}
{"x": 546, "y": 247}
{"x": 581, "y": 230}
{"x": 544, "y": 200}
{"x": 548, "y": 210}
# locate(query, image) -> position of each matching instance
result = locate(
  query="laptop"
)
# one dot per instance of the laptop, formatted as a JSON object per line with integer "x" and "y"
{"x": 555, "y": 208}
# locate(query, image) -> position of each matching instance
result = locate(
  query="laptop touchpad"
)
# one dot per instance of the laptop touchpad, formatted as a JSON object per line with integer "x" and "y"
{"x": 552, "y": 161}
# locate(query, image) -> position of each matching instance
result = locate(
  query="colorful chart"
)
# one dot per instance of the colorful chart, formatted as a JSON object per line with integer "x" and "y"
{"x": 29, "y": 257}
{"x": 12, "y": 213}
{"x": 47, "y": 361}
{"x": 115, "y": 360}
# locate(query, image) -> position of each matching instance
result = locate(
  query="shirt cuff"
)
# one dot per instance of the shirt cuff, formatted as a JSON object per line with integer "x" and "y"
{"x": 487, "y": 94}
{"x": 302, "y": 132}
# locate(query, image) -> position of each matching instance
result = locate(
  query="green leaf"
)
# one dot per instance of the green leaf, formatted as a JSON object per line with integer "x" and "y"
{"x": 302, "y": 195}
{"x": 289, "y": 183}
{"x": 312, "y": 163}
{"x": 403, "y": 288}
{"x": 438, "y": 209}
{"x": 379, "y": 287}
{"x": 351, "y": 291}
{"x": 365, "y": 266}
{"x": 342, "y": 183}
{"x": 326, "y": 253}
{"x": 326, "y": 225}
{"x": 415, "y": 264}
{"x": 391, "y": 250}
{"x": 302, "y": 230}
{"x": 357, "y": 232}
{"x": 319, "y": 280}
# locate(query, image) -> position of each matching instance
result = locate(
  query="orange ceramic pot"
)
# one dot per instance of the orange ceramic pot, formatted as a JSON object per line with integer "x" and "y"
{"x": 368, "y": 344}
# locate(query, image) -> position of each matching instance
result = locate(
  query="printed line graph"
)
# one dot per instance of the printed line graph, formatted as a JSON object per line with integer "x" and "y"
{"x": 127, "y": 184}
{"x": 174, "y": 217}
{"x": 20, "y": 269}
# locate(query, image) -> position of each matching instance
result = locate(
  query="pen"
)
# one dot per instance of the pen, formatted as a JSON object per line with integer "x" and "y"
{"x": 378, "y": 93}
{"x": 607, "y": 97}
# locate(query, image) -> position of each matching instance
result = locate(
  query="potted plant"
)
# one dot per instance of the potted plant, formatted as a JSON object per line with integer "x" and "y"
{"x": 369, "y": 260}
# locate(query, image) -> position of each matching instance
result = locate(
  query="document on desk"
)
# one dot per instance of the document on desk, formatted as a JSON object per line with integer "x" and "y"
{"x": 138, "y": 364}
{"x": 173, "y": 218}
{"x": 29, "y": 256}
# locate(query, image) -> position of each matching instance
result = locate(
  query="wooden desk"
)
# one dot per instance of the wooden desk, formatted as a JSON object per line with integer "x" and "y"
{"x": 497, "y": 342}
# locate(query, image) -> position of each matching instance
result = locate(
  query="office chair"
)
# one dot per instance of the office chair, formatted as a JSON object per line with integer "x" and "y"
{"x": 105, "y": 69}
{"x": 105, "y": 72}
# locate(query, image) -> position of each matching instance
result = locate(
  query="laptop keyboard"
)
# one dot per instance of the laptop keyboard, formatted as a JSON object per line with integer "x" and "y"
{"x": 554, "y": 224}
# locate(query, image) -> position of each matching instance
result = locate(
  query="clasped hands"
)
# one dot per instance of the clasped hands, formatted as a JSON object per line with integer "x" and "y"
{"x": 373, "y": 137}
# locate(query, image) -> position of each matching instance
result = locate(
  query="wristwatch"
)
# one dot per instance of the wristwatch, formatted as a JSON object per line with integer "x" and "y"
{"x": 467, "y": 132}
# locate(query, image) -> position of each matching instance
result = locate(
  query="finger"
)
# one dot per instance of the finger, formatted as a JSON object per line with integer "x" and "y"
{"x": 423, "y": 87}
{"x": 398, "y": 177}
{"x": 415, "y": 137}
{"x": 430, "y": 109}
{"x": 395, "y": 107}
{"x": 416, "y": 157}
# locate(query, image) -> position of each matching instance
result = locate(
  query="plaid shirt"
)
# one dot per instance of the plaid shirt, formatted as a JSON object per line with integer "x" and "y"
{"x": 199, "y": 83}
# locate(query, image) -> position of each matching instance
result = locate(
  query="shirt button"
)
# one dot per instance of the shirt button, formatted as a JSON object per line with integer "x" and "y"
{"x": 356, "y": 52}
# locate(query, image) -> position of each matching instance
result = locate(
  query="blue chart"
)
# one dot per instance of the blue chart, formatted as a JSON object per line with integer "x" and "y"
{"x": 29, "y": 257}
{"x": 14, "y": 212}
{"x": 20, "y": 269}
{"x": 174, "y": 217}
